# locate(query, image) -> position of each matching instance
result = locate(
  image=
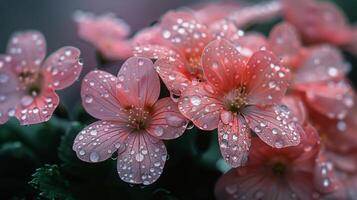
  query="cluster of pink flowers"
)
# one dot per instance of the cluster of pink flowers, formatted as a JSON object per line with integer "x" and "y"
{"x": 282, "y": 105}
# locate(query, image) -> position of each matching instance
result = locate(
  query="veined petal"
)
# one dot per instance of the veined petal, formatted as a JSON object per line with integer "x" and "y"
{"x": 201, "y": 105}
{"x": 234, "y": 139}
{"x": 138, "y": 83}
{"x": 62, "y": 68}
{"x": 266, "y": 79}
{"x": 222, "y": 65}
{"x": 174, "y": 73}
{"x": 33, "y": 110}
{"x": 274, "y": 125}
{"x": 9, "y": 93}
{"x": 98, "y": 141}
{"x": 297, "y": 107}
{"x": 331, "y": 98}
{"x": 167, "y": 122}
{"x": 100, "y": 98}
{"x": 322, "y": 63}
{"x": 143, "y": 159}
{"x": 28, "y": 49}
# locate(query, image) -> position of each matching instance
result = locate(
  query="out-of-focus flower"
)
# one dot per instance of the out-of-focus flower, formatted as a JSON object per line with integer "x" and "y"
{"x": 179, "y": 58}
{"x": 240, "y": 95}
{"x": 106, "y": 32}
{"x": 289, "y": 173}
{"x": 317, "y": 21}
{"x": 319, "y": 72}
{"x": 28, "y": 82}
{"x": 132, "y": 123}
{"x": 250, "y": 14}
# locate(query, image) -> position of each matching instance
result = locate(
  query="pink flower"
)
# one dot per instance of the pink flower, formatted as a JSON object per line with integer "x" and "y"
{"x": 319, "y": 72}
{"x": 179, "y": 57}
{"x": 240, "y": 95}
{"x": 318, "y": 21}
{"x": 106, "y": 32}
{"x": 133, "y": 121}
{"x": 28, "y": 83}
{"x": 290, "y": 173}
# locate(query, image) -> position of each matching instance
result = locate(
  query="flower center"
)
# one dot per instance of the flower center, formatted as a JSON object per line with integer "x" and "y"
{"x": 278, "y": 169}
{"x": 236, "y": 99}
{"x": 32, "y": 81}
{"x": 138, "y": 118}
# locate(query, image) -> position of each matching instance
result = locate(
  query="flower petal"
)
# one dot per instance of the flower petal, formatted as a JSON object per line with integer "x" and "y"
{"x": 167, "y": 122}
{"x": 248, "y": 44}
{"x": 224, "y": 29}
{"x": 185, "y": 33}
{"x": 274, "y": 125}
{"x": 62, "y": 68}
{"x": 143, "y": 159}
{"x": 99, "y": 96}
{"x": 9, "y": 93}
{"x": 266, "y": 79}
{"x": 98, "y": 141}
{"x": 105, "y": 32}
{"x": 138, "y": 83}
{"x": 285, "y": 42}
{"x": 200, "y": 105}
{"x": 323, "y": 63}
{"x": 33, "y": 110}
{"x": 28, "y": 49}
{"x": 174, "y": 73}
{"x": 331, "y": 98}
{"x": 155, "y": 52}
{"x": 297, "y": 107}
{"x": 234, "y": 139}
{"x": 325, "y": 179}
{"x": 222, "y": 64}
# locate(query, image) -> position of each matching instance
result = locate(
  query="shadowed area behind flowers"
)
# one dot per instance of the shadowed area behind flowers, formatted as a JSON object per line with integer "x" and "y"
{"x": 38, "y": 160}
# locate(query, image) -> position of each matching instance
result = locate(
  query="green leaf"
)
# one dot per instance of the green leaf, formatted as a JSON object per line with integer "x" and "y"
{"x": 51, "y": 183}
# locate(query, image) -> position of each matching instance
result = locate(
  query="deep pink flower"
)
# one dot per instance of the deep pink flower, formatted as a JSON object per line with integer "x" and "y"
{"x": 133, "y": 121}
{"x": 240, "y": 95}
{"x": 319, "y": 72}
{"x": 106, "y": 32}
{"x": 289, "y": 173}
{"x": 28, "y": 82}
{"x": 179, "y": 58}
{"x": 318, "y": 21}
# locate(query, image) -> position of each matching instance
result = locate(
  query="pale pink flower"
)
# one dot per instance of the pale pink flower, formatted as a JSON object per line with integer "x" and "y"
{"x": 133, "y": 122}
{"x": 28, "y": 82}
{"x": 106, "y": 32}
{"x": 241, "y": 95}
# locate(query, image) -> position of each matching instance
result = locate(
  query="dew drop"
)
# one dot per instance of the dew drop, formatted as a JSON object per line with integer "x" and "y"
{"x": 195, "y": 100}
{"x": 93, "y": 132}
{"x": 175, "y": 121}
{"x": 26, "y": 100}
{"x": 82, "y": 152}
{"x": 139, "y": 157}
{"x": 94, "y": 157}
{"x": 121, "y": 78}
{"x": 159, "y": 131}
{"x": 88, "y": 99}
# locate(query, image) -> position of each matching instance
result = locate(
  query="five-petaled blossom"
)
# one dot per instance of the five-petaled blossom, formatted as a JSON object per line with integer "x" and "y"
{"x": 296, "y": 172}
{"x": 241, "y": 95}
{"x": 132, "y": 123}
{"x": 28, "y": 82}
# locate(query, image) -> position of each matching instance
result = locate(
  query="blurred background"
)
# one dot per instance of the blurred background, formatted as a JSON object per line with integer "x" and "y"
{"x": 190, "y": 174}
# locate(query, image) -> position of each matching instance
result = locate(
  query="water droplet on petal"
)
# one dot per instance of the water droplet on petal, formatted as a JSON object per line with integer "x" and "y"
{"x": 88, "y": 99}
{"x": 139, "y": 157}
{"x": 94, "y": 157}
{"x": 195, "y": 100}
{"x": 226, "y": 117}
{"x": 82, "y": 152}
{"x": 26, "y": 100}
{"x": 175, "y": 121}
{"x": 159, "y": 131}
